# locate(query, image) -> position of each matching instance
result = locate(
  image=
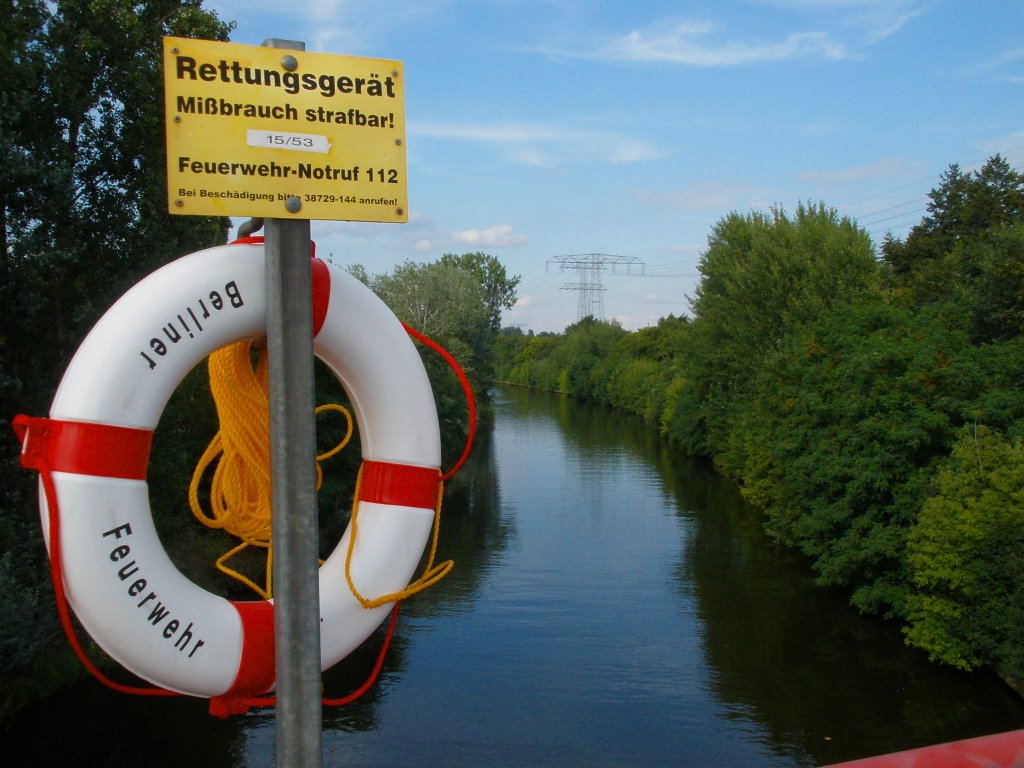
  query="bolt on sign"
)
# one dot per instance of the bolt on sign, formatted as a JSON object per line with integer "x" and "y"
{"x": 278, "y": 133}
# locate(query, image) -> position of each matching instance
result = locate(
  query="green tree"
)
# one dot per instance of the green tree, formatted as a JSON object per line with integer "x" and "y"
{"x": 498, "y": 287}
{"x": 989, "y": 270}
{"x": 947, "y": 220}
{"x": 845, "y": 425}
{"x": 534, "y": 363}
{"x": 447, "y": 303}
{"x": 457, "y": 297}
{"x": 966, "y": 555}
{"x": 509, "y": 342}
{"x": 634, "y": 374}
{"x": 839, "y": 436}
{"x": 83, "y": 198}
{"x": 586, "y": 344}
{"x": 960, "y": 208}
{"x": 82, "y": 218}
{"x": 762, "y": 275}
{"x": 439, "y": 300}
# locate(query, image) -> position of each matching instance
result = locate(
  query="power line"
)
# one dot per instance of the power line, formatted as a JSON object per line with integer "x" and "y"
{"x": 589, "y": 266}
{"x": 915, "y": 201}
{"x": 866, "y": 220}
{"x": 896, "y": 216}
{"x": 677, "y": 275}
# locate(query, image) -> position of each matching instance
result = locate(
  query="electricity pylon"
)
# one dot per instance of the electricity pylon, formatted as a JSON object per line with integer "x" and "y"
{"x": 589, "y": 266}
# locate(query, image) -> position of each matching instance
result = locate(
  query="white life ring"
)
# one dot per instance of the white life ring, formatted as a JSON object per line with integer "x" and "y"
{"x": 120, "y": 582}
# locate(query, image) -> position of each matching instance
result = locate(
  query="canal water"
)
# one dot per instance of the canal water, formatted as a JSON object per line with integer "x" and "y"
{"x": 612, "y": 604}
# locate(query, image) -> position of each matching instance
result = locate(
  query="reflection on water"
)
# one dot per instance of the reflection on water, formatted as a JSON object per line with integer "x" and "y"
{"x": 816, "y": 676}
{"x": 611, "y": 605}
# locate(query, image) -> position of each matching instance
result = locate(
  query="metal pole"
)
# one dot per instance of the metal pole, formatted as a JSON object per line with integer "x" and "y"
{"x": 293, "y": 484}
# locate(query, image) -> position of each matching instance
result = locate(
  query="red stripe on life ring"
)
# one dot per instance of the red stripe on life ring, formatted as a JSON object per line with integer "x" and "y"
{"x": 84, "y": 448}
{"x": 256, "y": 667}
{"x": 321, "y": 294}
{"x": 261, "y": 240}
{"x": 402, "y": 485}
{"x": 321, "y": 280}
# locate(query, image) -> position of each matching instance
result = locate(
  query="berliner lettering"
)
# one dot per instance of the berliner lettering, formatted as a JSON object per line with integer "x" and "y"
{"x": 158, "y": 612}
{"x": 178, "y": 328}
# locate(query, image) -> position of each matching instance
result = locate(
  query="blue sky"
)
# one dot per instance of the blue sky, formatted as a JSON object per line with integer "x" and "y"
{"x": 544, "y": 129}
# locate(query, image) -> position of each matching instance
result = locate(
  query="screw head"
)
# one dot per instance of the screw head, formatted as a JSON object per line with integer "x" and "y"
{"x": 293, "y": 204}
{"x": 289, "y": 62}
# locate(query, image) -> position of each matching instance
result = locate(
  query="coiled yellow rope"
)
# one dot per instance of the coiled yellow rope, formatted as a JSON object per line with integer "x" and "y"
{"x": 240, "y": 501}
{"x": 240, "y": 488}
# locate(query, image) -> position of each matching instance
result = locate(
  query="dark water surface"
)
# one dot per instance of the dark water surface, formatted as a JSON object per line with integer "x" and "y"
{"x": 611, "y": 605}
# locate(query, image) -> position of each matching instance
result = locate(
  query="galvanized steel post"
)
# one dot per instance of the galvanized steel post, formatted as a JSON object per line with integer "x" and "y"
{"x": 299, "y": 724}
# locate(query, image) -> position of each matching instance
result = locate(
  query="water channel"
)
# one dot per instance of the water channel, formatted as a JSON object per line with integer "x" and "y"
{"x": 612, "y": 605}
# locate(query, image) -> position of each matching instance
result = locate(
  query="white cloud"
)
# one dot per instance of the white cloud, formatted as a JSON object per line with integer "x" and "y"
{"x": 508, "y": 133}
{"x": 498, "y": 236}
{"x": 832, "y": 6}
{"x": 1006, "y": 57}
{"x": 698, "y": 44}
{"x": 881, "y": 169}
{"x": 541, "y": 145}
{"x": 524, "y": 301}
{"x": 620, "y": 151}
{"x": 874, "y": 20}
{"x": 798, "y": 29}
{"x": 355, "y": 27}
{"x": 705, "y": 196}
{"x": 1010, "y": 146}
{"x": 375, "y": 245}
{"x": 327, "y": 229}
{"x": 821, "y": 129}
{"x": 1006, "y": 66}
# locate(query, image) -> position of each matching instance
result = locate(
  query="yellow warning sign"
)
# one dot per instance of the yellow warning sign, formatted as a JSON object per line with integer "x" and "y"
{"x": 277, "y": 133}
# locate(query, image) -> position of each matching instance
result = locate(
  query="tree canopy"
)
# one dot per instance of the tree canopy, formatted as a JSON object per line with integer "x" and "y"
{"x": 82, "y": 218}
{"x": 962, "y": 206}
{"x": 499, "y": 289}
{"x": 762, "y": 276}
{"x": 457, "y": 302}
